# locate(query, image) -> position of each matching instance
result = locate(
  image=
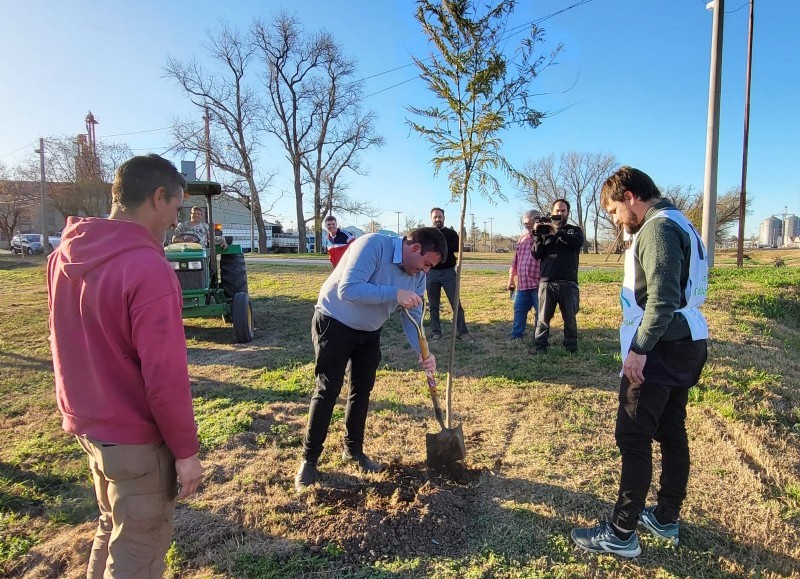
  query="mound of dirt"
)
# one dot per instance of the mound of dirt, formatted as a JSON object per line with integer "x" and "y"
{"x": 409, "y": 511}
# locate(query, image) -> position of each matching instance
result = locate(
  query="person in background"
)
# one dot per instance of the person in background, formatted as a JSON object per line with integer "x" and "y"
{"x": 196, "y": 227}
{"x": 557, "y": 246}
{"x": 443, "y": 276}
{"x": 377, "y": 274}
{"x": 523, "y": 278}
{"x": 337, "y": 241}
{"x": 121, "y": 375}
{"x": 663, "y": 346}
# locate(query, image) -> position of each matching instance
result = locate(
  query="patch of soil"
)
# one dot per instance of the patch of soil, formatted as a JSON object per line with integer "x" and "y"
{"x": 409, "y": 511}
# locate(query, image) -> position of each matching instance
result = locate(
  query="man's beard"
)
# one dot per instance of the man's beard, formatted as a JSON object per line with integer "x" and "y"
{"x": 633, "y": 229}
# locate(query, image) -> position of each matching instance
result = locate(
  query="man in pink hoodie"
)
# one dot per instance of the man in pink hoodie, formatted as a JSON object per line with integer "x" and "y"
{"x": 119, "y": 357}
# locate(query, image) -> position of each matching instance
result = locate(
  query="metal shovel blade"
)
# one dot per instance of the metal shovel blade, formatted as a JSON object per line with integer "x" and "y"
{"x": 445, "y": 448}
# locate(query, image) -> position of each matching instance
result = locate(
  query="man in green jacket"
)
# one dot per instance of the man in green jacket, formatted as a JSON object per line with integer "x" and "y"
{"x": 663, "y": 346}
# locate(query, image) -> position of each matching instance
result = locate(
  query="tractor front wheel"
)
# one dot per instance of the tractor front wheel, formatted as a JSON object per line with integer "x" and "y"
{"x": 242, "y": 316}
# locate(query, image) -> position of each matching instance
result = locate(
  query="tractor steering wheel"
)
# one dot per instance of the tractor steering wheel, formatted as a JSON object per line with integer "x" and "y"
{"x": 182, "y": 237}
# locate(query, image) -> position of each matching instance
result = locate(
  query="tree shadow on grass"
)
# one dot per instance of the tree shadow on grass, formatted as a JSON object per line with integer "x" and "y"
{"x": 278, "y": 321}
{"x": 25, "y": 363}
{"x": 49, "y": 495}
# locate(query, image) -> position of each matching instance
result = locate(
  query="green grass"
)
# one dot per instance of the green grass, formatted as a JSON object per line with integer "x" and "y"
{"x": 271, "y": 567}
{"x": 546, "y": 420}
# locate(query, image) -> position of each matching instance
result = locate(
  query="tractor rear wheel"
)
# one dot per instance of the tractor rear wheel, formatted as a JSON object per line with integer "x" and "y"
{"x": 234, "y": 274}
{"x": 242, "y": 316}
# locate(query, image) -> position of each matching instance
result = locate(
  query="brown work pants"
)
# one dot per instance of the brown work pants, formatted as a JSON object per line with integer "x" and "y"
{"x": 135, "y": 487}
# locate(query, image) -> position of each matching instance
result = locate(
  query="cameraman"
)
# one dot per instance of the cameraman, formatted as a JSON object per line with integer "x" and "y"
{"x": 557, "y": 244}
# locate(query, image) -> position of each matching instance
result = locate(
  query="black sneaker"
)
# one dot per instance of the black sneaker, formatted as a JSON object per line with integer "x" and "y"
{"x": 436, "y": 336}
{"x": 365, "y": 463}
{"x": 306, "y": 476}
{"x": 465, "y": 337}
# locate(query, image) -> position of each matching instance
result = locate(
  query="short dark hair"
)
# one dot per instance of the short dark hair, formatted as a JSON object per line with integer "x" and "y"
{"x": 137, "y": 179}
{"x": 437, "y": 209}
{"x": 564, "y": 201}
{"x": 627, "y": 178}
{"x": 330, "y": 218}
{"x": 430, "y": 239}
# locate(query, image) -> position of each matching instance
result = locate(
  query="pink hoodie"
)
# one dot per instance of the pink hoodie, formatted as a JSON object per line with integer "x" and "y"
{"x": 119, "y": 350}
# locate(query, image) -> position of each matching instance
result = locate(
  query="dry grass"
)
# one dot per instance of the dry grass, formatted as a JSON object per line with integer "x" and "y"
{"x": 539, "y": 434}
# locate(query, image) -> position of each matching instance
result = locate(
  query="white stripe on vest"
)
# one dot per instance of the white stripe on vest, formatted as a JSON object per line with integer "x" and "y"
{"x": 694, "y": 292}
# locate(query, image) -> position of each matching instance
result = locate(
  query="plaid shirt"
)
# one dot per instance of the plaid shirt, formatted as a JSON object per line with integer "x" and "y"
{"x": 525, "y": 265}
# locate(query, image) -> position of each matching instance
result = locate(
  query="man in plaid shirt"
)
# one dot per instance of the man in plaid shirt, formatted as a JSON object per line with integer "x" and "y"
{"x": 525, "y": 268}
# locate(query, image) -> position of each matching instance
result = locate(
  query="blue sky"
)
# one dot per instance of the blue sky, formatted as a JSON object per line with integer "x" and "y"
{"x": 632, "y": 80}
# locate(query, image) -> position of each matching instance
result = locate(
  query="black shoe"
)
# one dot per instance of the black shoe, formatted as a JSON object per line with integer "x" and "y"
{"x": 572, "y": 350}
{"x": 540, "y": 351}
{"x": 306, "y": 476}
{"x": 436, "y": 336}
{"x": 365, "y": 463}
{"x": 465, "y": 337}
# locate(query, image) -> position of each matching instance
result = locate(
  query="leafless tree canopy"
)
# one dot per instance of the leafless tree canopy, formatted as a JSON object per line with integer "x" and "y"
{"x": 314, "y": 112}
{"x": 16, "y": 202}
{"x": 576, "y": 177}
{"x": 228, "y": 96}
{"x": 69, "y": 191}
{"x": 691, "y": 203}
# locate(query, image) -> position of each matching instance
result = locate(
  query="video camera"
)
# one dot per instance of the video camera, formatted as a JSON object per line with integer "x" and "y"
{"x": 546, "y": 224}
{"x": 554, "y": 219}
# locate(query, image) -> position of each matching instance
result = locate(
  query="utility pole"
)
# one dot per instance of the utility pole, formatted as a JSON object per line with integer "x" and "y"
{"x": 484, "y": 236}
{"x": 743, "y": 191}
{"x": 712, "y": 131}
{"x": 252, "y": 222}
{"x": 491, "y": 235}
{"x": 45, "y": 236}
{"x": 398, "y": 223}
{"x": 207, "y": 119}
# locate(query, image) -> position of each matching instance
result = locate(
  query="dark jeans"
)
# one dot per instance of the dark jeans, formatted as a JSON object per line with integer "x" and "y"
{"x": 565, "y": 295}
{"x": 335, "y": 344}
{"x": 650, "y": 412}
{"x": 524, "y": 300}
{"x": 436, "y": 280}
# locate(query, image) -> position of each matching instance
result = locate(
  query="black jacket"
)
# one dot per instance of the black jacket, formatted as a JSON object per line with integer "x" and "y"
{"x": 559, "y": 253}
{"x": 452, "y": 247}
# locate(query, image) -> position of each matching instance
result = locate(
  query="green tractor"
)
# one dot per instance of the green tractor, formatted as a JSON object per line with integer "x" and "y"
{"x": 212, "y": 274}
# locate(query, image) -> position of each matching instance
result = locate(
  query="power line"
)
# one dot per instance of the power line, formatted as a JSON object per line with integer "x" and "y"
{"x": 509, "y": 33}
{"x": 135, "y": 132}
{"x": 18, "y": 150}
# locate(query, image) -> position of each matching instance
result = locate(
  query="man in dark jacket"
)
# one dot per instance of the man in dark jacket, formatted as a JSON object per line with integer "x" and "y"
{"x": 557, "y": 245}
{"x": 443, "y": 276}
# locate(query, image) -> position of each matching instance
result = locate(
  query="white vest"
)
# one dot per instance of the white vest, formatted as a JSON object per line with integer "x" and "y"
{"x": 695, "y": 290}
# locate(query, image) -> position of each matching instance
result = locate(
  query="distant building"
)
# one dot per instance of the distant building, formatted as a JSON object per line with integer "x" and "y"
{"x": 792, "y": 225}
{"x": 770, "y": 232}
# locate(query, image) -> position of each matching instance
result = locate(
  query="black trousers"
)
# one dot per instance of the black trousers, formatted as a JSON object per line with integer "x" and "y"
{"x": 565, "y": 295}
{"x": 438, "y": 279}
{"x": 650, "y": 412}
{"x": 656, "y": 410}
{"x": 334, "y": 345}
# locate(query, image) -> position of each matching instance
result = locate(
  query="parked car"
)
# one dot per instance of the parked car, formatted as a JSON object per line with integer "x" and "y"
{"x": 30, "y": 243}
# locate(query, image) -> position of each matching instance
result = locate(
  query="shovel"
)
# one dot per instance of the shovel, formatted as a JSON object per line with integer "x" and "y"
{"x": 447, "y": 447}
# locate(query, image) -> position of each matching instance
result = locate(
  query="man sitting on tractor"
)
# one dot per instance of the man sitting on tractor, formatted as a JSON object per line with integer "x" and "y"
{"x": 195, "y": 230}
